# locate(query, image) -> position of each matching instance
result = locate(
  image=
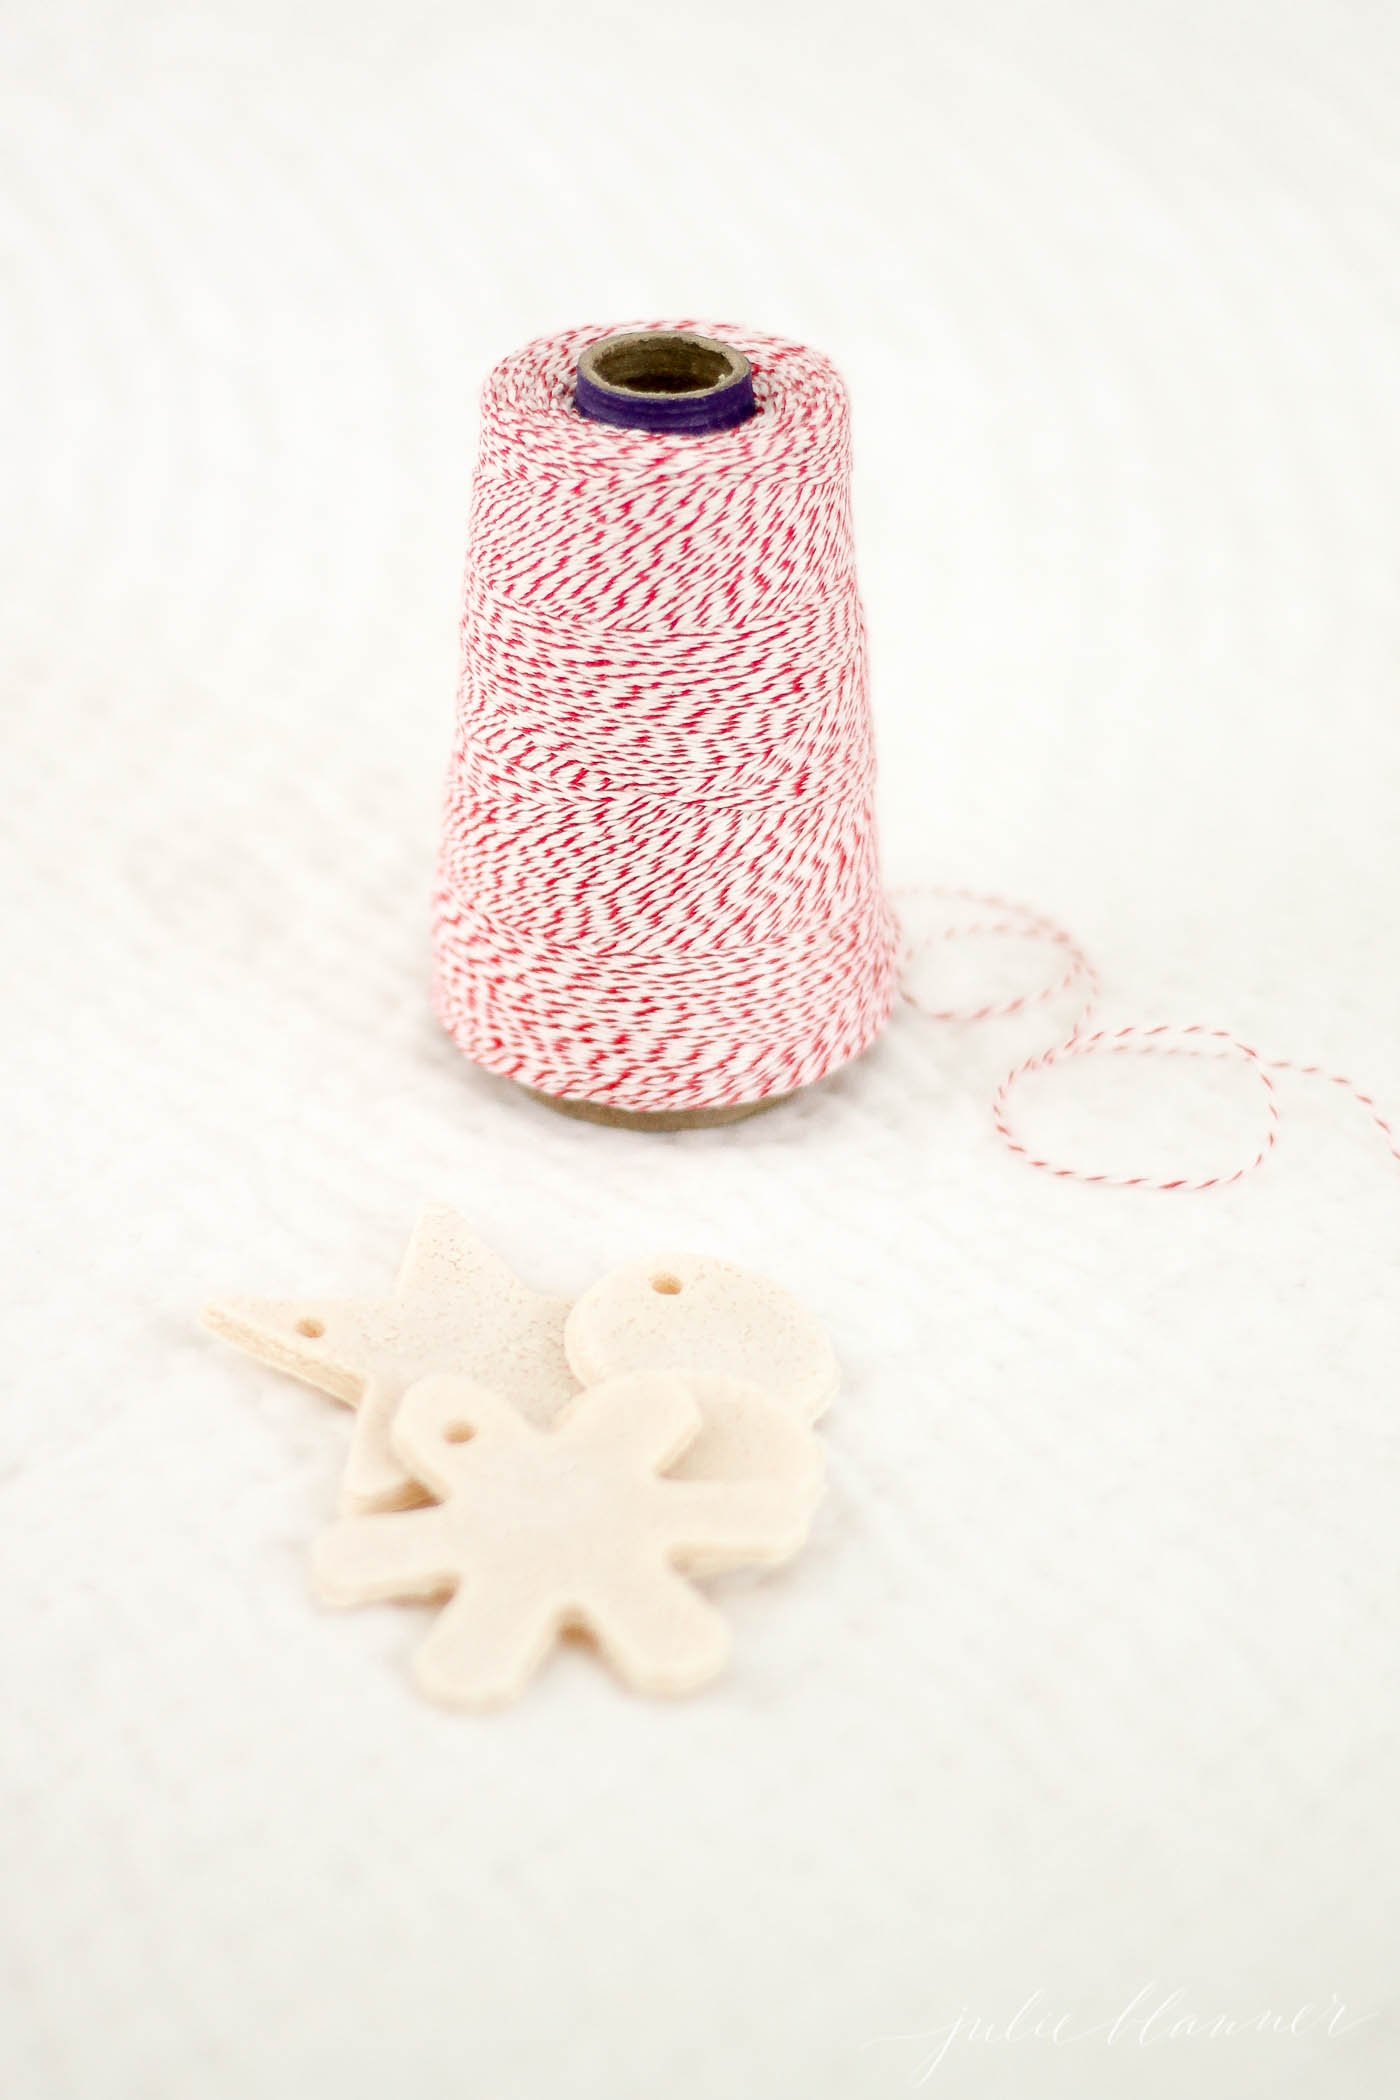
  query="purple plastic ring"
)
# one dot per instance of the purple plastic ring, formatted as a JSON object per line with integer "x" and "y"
{"x": 667, "y": 381}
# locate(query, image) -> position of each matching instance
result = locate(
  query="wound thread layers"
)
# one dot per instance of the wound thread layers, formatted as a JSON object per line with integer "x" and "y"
{"x": 659, "y": 885}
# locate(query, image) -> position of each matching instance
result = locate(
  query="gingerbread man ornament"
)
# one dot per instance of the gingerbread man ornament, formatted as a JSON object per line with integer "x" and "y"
{"x": 578, "y": 1527}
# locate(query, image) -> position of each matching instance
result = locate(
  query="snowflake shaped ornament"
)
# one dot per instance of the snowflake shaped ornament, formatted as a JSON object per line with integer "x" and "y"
{"x": 539, "y": 1532}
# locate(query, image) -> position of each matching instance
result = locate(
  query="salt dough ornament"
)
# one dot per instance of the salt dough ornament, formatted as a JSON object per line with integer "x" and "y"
{"x": 456, "y": 1306}
{"x": 686, "y": 1312}
{"x": 538, "y": 1532}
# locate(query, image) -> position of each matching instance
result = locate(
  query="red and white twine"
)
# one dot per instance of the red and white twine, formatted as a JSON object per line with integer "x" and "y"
{"x": 659, "y": 886}
{"x": 1075, "y": 978}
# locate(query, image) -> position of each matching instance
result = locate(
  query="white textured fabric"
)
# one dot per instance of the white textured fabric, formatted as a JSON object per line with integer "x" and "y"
{"x": 1086, "y": 1684}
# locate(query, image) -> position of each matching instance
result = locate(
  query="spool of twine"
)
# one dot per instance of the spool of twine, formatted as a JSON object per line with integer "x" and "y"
{"x": 659, "y": 902}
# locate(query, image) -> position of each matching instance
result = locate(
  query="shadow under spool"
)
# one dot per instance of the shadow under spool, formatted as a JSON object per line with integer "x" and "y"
{"x": 671, "y": 383}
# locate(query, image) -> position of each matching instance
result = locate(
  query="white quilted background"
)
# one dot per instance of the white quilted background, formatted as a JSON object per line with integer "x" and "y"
{"x": 1086, "y": 1692}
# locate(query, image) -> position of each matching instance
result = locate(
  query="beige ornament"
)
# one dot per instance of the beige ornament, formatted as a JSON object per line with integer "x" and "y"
{"x": 687, "y": 1312}
{"x": 746, "y": 1434}
{"x": 456, "y": 1306}
{"x": 538, "y": 1532}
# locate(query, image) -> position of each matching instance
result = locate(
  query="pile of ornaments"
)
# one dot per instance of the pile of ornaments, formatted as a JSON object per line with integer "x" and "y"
{"x": 540, "y": 1468}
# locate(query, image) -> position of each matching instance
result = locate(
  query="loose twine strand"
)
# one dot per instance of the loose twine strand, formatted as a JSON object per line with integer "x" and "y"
{"x": 1075, "y": 973}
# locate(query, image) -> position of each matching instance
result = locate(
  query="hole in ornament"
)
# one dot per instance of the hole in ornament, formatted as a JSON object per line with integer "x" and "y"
{"x": 669, "y": 1286}
{"x": 312, "y": 1329}
{"x": 459, "y": 1432}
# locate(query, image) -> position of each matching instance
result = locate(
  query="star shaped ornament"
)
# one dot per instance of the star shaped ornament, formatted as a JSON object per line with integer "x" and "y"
{"x": 456, "y": 1307}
